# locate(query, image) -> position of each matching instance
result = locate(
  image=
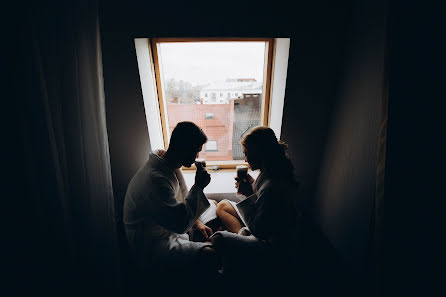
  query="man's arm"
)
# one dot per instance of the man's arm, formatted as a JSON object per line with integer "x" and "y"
{"x": 204, "y": 230}
{"x": 172, "y": 215}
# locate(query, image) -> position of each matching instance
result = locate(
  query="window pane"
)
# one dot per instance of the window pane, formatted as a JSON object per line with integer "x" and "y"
{"x": 224, "y": 79}
{"x": 211, "y": 145}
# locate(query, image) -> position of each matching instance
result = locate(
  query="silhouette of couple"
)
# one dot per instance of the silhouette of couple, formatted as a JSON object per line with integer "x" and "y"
{"x": 159, "y": 211}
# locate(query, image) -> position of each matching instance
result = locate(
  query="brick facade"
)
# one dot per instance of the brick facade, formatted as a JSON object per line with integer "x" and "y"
{"x": 218, "y": 128}
{"x": 223, "y": 123}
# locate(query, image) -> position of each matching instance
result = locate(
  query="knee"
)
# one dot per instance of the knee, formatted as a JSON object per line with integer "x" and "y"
{"x": 222, "y": 207}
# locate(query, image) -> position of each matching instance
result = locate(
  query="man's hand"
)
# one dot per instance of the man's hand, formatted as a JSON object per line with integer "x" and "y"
{"x": 202, "y": 177}
{"x": 204, "y": 230}
{"x": 244, "y": 185}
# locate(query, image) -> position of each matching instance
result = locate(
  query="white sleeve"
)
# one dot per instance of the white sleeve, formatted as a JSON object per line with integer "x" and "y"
{"x": 176, "y": 216}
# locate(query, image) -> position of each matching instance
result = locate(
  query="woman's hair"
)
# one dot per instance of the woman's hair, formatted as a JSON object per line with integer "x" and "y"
{"x": 261, "y": 143}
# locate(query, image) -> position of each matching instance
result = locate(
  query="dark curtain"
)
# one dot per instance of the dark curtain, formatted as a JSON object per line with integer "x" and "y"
{"x": 60, "y": 213}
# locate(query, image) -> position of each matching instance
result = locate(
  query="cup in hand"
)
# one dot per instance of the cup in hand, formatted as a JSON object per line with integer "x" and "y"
{"x": 242, "y": 174}
{"x": 200, "y": 163}
{"x": 242, "y": 171}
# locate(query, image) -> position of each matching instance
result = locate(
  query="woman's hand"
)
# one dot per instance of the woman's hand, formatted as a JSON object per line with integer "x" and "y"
{"x": 206, "y": 231}
{"x": 244, "y": 185}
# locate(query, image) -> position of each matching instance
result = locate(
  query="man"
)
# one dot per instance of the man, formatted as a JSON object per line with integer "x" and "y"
{"x": 158, "y": 209}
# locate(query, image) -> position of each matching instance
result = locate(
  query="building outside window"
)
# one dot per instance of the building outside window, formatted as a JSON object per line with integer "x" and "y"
{"x": 221, "y": 66}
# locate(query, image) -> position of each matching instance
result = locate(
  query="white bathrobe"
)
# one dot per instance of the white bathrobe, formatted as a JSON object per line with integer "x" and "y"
{"x": 158, "y": 211}
{"x": 269, "y": 213}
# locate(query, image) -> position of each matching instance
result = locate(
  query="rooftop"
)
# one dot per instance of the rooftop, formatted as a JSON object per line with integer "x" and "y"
{"x": 252, "y": 86}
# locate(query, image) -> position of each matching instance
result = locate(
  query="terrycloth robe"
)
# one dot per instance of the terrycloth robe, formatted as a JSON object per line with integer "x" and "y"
{"x": 158, "y": 211}
{"x": 269, "y": 213}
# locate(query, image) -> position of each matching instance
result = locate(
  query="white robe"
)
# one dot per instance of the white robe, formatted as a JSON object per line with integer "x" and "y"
{"x": 269, "y": 212}
{"x": 158, "y": 211}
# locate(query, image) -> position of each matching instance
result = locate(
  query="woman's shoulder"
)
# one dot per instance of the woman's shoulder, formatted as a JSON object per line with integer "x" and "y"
{"x": 263, "y": 183}
{"x": 282, "y": 184}
{"x": 273, "y": 187}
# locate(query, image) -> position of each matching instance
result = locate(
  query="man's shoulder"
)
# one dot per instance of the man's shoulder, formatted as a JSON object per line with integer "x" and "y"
{"x": 150, "y": 174}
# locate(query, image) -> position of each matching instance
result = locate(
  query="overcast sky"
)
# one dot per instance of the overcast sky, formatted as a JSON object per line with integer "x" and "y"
{"x": 206, "y": 62}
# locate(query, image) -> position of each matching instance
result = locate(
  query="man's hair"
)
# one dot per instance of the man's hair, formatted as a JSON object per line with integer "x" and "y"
{"x": 186, "y": 135}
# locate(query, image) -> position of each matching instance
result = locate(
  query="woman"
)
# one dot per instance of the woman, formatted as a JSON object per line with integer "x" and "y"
{"x": 286, "y": 250}
{"x": 266, "y": 258}
{"x": 269, "y": 211}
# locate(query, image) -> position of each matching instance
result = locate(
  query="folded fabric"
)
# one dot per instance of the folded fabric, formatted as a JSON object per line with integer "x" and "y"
{"x": 229, "y": 242}
{"x": 210, "y": 213}
{"x": 237, "y": 209}
{"x": 244, "y": 231}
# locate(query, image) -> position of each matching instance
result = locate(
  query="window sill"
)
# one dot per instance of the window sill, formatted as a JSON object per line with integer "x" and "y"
{"x": 221, "y": 165}
{"x": 222, "y": 181}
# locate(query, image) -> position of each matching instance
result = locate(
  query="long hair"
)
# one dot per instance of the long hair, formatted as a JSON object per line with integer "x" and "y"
{"x": 262, "y": 144}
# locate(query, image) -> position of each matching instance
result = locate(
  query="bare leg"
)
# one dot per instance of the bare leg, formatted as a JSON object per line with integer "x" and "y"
{"x": 228, "y": 216}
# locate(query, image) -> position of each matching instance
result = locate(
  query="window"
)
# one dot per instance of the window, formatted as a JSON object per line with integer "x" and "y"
{"x": 218, "y": 65}
{"x": 211, "y": 146}
{"x": 222, "y": 180}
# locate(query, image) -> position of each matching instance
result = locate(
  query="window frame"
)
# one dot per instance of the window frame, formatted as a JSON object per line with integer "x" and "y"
{"x": 266, "y": 91}
{"x": 216, "y": 145}
{"x": 209, "y": 115}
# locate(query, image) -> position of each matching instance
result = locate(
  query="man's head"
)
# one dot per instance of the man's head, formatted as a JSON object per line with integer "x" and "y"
{"x": 186, "y": 142}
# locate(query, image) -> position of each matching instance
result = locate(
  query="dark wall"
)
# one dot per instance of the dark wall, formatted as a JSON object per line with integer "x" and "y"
{"x": 127, "y": 128}
{"x": 312, "y": 82}
{"x": 346, "y": 187}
